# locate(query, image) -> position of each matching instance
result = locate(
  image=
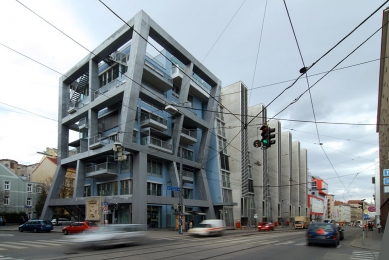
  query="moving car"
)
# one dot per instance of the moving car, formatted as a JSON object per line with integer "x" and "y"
{"x": 115, "y": 234}
{"x": 61, "y": 221}
{"x": 209, "y": 227}
{"x": 36, "y": 226}
{"x": 301, "y": 222}
{"x": 322, "y": 233}
{"x": 265, "y": 226}
{"x": 80, "y": 227}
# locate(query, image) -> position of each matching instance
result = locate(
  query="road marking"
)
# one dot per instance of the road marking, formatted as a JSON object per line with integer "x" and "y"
{"x": 301, "y": 244}
{"x": 6, "y": 235}
{"x": 11, "y": 246}
{"x": 365, "y": 255}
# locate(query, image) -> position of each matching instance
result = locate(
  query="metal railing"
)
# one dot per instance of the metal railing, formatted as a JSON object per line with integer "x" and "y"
{"x": 146, "y": 116}
{"x": 101, "y": 139}
{"x": 191, "y": 133}
{"x": 112, "y": 167}
{"x": 202, "y": 83}
{"x": 107, "y": 192}
{"x": 187, "y": 174}
{"x": 155, "y": 60}
{"x": 156, "y": 142}
{"x": 154, "y": 192}
{"x": 158, "y": 70}
{"x": 107, "y": 87}
{"x": 125, "y": 191}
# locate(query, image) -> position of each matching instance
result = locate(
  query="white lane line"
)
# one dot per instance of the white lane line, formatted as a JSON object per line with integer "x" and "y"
{"x": 11, "y": 246}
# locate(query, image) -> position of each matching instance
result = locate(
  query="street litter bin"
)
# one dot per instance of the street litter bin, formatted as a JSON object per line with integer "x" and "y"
{"x": 237, "y": 225}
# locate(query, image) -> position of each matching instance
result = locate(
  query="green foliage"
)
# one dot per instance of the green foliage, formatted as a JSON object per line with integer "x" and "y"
{"x": 41, "y": 202}
{"x": 12, "y": 217}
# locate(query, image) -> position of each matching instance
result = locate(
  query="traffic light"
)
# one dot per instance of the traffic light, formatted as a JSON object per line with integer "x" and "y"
{"x": 361, "y": 203}
{"x": 265, "y": 136}
{"x": 271, "y": 136}
{"x": 257, "y": 143}
{"x": 115, "y": 206}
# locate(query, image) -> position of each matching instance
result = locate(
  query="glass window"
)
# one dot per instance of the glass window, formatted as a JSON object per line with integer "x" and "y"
{"x": 115, "y": 72}
{"x": 38, "y": 189}
{"x": 126, "y": 187}
{"x": 6, "y": 200}
{"x": 226, "y": 179}
{"x": 29, "y": 203}
{"x": 154, "y": 189}
{"x": 29, "y": 187}
{"x": 224, "y": 161}
{"x": 87, "y": 191}
{"x": 109, "y": 75}
{"x": 7, "y": 185}
{"x": 154, "y": 167}
{"x": 227, "y": 195}
{"x": 188, "y": 193}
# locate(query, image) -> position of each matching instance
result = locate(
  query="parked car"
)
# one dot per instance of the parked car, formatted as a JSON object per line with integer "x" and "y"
{"x": 61, "y": 222}
{"x": 322, "y": 233}
{"x": 209, "y": 227}
{"x": 36, "y": 226}
{"x": 265, "y": 226}
{"x": 114, "y": 234}
{"x": 80, "y": 227}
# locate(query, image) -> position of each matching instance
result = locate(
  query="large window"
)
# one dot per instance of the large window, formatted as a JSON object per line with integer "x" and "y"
{"x": 38, "y": 189}
{"x": 250, "y": 185}
{"x": 223, "y": 145}
{"x": 29, "y": 187}
{"x": 226, "y": 179}
{"x": 154, "y": 189}
{"x": 29, "y": 202}
{"x": 87, "y": 191}
{"x": 110, "y": 120}
{"x": 188, "y": 193}
{"x": 6, "y": 200}
{"x": 126, "y": 187}
{"x": 7, "y": 185}
{"x": 227, "y": 195}
{"x": 186, "y": 154}
{"x": 221, "y": 128}
{"x": 154, "y": 167}
{"x": 224, "y": 161}
{"x": 109, "y": 76}
{"x": 107, "y": 189}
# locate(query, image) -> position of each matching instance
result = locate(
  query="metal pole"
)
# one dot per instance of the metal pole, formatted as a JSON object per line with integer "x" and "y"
{"x": 363, "y": 228}
{"x": 180, "y": 195}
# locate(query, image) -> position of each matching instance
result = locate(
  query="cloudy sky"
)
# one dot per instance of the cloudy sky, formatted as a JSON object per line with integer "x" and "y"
{"x": 241, "y": 40}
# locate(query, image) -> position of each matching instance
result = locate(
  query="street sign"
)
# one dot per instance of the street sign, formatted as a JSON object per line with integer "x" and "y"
{"x": 386, "y": 181}
{"x": 255, "y": 216}
{"x": 386, "y": 172}
{"x": 366, "y": 217}
{"x": 371, "y": 209}
{"x": 366, "y": 211}
{"x": 172, "y": 188}
{"x": 105, "y": 207}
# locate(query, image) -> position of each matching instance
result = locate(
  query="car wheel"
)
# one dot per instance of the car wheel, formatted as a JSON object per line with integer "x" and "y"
{"x": 35, "y": 230}
{"x": 20, "y": 229}
{"x": 308, "y": 244}
{"x": 48, "y": 231}
{"x": 65, "y": 232}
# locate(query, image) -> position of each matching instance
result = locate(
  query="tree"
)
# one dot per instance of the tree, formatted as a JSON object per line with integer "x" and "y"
{"x": 41, "y": 202}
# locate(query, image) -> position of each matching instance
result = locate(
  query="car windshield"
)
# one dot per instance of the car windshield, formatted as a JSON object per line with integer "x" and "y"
{"x": 204, "y": 225}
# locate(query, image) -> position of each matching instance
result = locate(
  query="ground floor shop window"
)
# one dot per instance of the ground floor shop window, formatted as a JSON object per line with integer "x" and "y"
{"x": 154, "y": 219}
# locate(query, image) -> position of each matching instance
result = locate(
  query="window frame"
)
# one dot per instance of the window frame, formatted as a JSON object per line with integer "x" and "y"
{"x": 7, "y": 185}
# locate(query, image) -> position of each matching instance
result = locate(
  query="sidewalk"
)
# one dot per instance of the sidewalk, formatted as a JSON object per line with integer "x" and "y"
{"x": 371, "y": 242}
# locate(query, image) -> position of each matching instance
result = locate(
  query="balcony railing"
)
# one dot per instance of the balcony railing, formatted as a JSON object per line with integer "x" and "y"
{"x": 202, "y": 83}
{"x": 113, "y": 84}
{"x": 187, "y": 174}
{"x": 154, "y": 121}
{"x": 83, "y": 124}
{"x": 125, "y": 191}
{"x": 154, "y": 192}
{"x": 77, "y": 150}
{"x": 99, "y": 140}
{"x": 107, "y": 192}
{"x": 102, "y": 170}
{"x": 191, "y": 133}
{"x": 156, "y": 143}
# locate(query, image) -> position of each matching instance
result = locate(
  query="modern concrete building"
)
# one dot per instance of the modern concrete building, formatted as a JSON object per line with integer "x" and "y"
{"x": 17, "y": 194}
{"x": 139, "y": 118}
{"x": 382, "y": 121}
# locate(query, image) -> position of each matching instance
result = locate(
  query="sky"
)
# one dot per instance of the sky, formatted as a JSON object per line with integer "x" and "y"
{"x": 239, "y": 40}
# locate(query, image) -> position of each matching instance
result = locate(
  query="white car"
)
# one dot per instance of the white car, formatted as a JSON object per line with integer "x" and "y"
{"x": 209, "y": 227}
{"x": 61, "y": 222}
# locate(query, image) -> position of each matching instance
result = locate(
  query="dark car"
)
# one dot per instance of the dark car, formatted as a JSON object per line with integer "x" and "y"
{"x": 322, "y": 233}
{"x": 36, "y": 226}
{"x": 80, "y": 227}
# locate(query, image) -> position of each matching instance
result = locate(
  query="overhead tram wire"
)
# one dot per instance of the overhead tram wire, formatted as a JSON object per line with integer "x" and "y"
{"x": 223, "y": 31}
{"x": 296, "y": 99}
{"x": 310, "y": 95}
{"x": 313, "y": 64}
{"x": 178, "y": 67}
{"x": 259, "y": 47}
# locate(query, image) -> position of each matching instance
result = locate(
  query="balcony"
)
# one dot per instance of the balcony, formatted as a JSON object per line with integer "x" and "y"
{"x": 98, "y": 141}
{"x": 83, "y": 124}
{"x": 188, "y": 136}
{"x": 107, "y": 193}
{"x": 154, "y": 73}
{"x": 77, "y": 150}
{"x": 187, "y": 177}
{"x": 151, "y": 120}
{"x": 102, "y": 170}
{"x": 156, "y": 143}
{"x": 113, "y": 84}
{"x": 125, "y": 191}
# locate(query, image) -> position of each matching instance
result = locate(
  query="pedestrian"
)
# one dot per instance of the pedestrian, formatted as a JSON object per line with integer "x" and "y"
{"x": 4, "y": 221}
{"x": 21, "y": 220}
{"x": 1, "y": 220}
{"x": 379, "y": 227}
{"x": 190, "y": 224}
{"x": 57, "y": 222}
{"x": 186, "y": 226}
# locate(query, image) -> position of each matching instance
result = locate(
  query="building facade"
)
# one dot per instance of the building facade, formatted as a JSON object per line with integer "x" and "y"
{"x": 17, "y": 194}
{"x": 146, "y": 127}
{"x": 22, "y": 170}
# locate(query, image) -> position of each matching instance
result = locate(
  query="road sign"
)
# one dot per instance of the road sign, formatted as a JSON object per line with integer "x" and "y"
{"x": 172, "y": 188}
{"x": 105, "y": 207}
{"x": 366, "y": 211}
{"x": 366, "y": 217}
{"x": 371, "y": 209}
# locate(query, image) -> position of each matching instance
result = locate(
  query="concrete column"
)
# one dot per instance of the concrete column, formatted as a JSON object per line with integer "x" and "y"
{"x": 135, "y": 72}
{"x": 94, "y": 83}
{"x": 139, "y": 195}
{"x": 80, "y": 180}
{"x": 92, "y": 123}
{"x": 54, "y": 191}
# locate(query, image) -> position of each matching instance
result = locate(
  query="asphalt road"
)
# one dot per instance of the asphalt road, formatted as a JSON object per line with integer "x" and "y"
{"x": 170, "y": 245}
